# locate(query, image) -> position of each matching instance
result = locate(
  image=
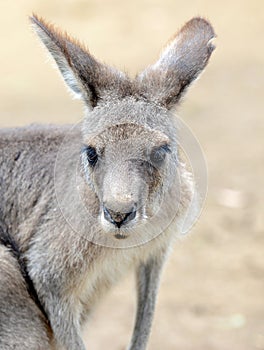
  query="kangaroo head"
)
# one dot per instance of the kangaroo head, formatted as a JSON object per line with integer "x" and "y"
{"x": 129, "y": 153}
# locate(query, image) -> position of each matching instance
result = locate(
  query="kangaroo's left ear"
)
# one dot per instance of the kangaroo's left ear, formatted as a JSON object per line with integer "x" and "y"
{"x": 86, "y": 77}
{"x": 180, "y": 63}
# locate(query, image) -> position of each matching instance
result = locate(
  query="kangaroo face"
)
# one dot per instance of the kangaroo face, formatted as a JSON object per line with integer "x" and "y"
{"x": 128, "y": 166}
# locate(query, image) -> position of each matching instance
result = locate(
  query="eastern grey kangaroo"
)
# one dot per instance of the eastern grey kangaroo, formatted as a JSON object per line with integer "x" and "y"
{"x": 67, "y": 235}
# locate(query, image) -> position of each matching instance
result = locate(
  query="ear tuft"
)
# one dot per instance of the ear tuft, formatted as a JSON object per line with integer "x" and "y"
{"x": 180, "y": 63}
{"x": 61, "y": 38}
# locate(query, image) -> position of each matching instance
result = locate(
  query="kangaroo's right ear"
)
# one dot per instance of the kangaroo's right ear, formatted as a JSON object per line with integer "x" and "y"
{"x": 85, "y": 76}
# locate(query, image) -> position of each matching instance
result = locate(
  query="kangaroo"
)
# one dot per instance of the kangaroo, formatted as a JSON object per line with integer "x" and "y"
{"x": 81, "y": 206}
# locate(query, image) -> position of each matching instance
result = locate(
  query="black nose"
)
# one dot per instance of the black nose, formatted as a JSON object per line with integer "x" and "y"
{"x": 118, "y": 219}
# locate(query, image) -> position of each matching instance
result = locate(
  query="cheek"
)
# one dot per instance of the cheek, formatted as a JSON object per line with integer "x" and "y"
{"x": 154, "y": 180}
{"x": 94, "y": 178}
{"x": 98, "y": 180}
{"x": 97, "y": 183}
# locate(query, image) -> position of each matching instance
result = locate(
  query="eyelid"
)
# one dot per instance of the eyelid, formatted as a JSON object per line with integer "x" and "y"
{"x": 165, "y": 147}
{"x": 158, "y": 153}
{"x": 162, "y": 148}
{"x": 86, "y": 148}
{"x": 99, "y": 150}
{"x": 91, "y": 154}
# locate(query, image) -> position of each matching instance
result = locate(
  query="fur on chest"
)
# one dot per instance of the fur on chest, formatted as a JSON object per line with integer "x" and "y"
{"x": 109, "y": 267}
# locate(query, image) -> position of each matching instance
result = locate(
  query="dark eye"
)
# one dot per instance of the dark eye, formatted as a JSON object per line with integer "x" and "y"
{"x": 91, "y": 155}
{"x": 158, "y": 154}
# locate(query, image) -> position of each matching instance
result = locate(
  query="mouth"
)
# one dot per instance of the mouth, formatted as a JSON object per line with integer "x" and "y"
{"x": 120, "y": 236}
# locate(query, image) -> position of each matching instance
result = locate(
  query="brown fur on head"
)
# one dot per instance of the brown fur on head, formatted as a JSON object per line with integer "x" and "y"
{"x": 130, "y": 150}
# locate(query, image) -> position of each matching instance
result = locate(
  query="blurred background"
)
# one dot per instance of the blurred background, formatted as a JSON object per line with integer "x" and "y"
{"x": 212, "y": 290}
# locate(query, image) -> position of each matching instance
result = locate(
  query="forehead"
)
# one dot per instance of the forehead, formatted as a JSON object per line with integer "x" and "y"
{"x": 127, "y": 135}
{"x": 126, "y": 111}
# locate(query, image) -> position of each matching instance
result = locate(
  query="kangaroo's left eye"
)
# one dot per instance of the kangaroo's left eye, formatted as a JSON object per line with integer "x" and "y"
{"x": 91, "y": 154}
{"x": 158, "y": 154}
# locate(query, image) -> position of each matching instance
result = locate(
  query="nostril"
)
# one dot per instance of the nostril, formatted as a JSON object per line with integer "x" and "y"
{"x": 130, "y": 216}
{"x": 117, "y": 218}
{"x": 107, "y": 215}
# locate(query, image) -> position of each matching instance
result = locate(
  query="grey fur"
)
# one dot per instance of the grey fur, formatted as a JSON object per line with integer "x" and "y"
{"x": 126, "y": 121}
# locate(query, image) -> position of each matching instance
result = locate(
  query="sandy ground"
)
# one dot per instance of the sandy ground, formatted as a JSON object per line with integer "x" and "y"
{"x": 212, "y": 290}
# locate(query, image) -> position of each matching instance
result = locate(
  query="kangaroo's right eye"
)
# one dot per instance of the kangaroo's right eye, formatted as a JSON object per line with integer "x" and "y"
{"x": 91, "y": 154}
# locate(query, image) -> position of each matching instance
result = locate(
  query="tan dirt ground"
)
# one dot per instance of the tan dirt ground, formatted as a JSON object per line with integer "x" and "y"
{"x": 212, "y": 291}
